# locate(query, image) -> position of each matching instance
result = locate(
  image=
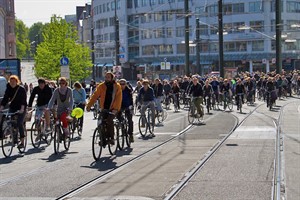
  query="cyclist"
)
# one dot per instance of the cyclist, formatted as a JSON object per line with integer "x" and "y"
{"x": 44, "y": 93}
{"x": 63, "y": 97}
{"x": 270, "y": 87}
{"x": 15, "y": 97}
{"x": 79, "y": 96}
{"x": 127, "y": 105}
{"x": 250, "y": 89}
{"x": 158, "y": 92}
{"x": 146, "y": 97}
{"x": 215, "y": 86}
{"x": 225, "y": 89}
{"x": 167, "y": 89}
{"x": 239, "y": 90}
{"x": 110, "y": 95}
{"x": 175, "y": 91}
{"x": 207, "y": 89}
{"x": 196, "y": 92}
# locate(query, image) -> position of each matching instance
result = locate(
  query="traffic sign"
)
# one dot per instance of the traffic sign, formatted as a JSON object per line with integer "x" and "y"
{"x": 162, "y": 66}
{"x": 64, "y": 61}
{"x": 168, "y": 65}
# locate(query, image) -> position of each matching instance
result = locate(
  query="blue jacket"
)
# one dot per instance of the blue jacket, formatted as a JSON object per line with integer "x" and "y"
{"x": 79, "y": 95}
{"x": 146, "y": 95}
{"x": 127, "y": 99}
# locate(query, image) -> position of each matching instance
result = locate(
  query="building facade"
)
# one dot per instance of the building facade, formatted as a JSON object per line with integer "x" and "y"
{"x": 152, "y": 31}
{"x": 7, "y": 34}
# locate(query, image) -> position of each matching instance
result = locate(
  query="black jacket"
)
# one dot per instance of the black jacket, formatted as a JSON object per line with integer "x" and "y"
{"x": 18, "y": 101}
{"x": 158, "y": 90}
{"x": 196, "y": 90}
{"x": 44, "y": 96}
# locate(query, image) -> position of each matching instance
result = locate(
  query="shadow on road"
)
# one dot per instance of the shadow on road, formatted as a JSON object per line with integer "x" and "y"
{"x": 103, "y": 164}
{"x": 10, "y": 159}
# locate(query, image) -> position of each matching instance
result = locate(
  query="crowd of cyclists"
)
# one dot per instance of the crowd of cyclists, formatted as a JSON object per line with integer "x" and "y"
{"x": 116, "y": 96}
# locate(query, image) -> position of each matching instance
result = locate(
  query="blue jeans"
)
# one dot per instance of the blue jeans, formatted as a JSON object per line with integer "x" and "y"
{"x": 158, "y": 101}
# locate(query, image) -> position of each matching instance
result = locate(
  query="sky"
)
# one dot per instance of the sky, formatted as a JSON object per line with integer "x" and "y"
{"x": 32, "y": 11}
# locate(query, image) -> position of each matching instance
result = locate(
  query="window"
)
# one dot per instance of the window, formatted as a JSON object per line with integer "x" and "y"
{"x": 165, "y": 49}
{"x": 144, "y": 3}
{"x": 236, "y": 26}
{"x": 255, "y": 7}
{"x": 100, "y": 8}
{"x": 238, "y": 8}
{"x": 213, "y": 29}
{"x": 161, "y": 1}
{"x": 146, "y": 34}
{"x": 104, "y": 8}
{"x": 152, "y": 2}
{"x": 227, "y": 9}
{"x": 108, "y": 7}
{"x": 258, "y": 45}
{"x": 158, "y": 33}
{"x": 129, "y": 4}
{"x": 229, "y": 46}
{"x": 257, "y": 25}
{"x": 212, "y": 10}
{"x": 290, "y": 24}
{"x": 169, "y": 16}
{"x": 180, "y": 31}
{"x": 148, "y": 50}
{"x": 146, "y": 18}
{"x": 158, "y": 17}
{"x": 273, "y": 8}
{"x": 111, "y": 21}
{"x": 112, "y": 6}
{"x": 169, "y": 32}
{"x": 293, "y": 6}
{"x": 203, "y": 29}
{"x": 112, "y": 36}
{"x": 136, "y": 3}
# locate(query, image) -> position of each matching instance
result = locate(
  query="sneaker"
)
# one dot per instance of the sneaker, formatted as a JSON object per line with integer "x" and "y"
{"x": 153, "y": 135}
{"x": 131, "y": 139}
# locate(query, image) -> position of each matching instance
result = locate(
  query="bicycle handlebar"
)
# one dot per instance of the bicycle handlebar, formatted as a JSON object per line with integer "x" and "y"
{"x": 7, "y": 113}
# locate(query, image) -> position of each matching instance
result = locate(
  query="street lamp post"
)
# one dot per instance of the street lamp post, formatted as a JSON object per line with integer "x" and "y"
{"x": 187, "y": 32}
{"x": 220, "y": 31}
{"x": 117, "y": 36}
{"x": 199, "y": 68}
{"x": 278, "y": 36}
{"x": 93, "y": 52}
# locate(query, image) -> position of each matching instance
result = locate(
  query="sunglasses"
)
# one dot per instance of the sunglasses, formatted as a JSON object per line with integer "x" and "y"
{"x": 122, "y": 83}
{"x": 62, "y": 83}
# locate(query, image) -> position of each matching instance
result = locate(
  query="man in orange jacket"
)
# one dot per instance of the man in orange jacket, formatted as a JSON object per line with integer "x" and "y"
{"x": 110, "y": 94}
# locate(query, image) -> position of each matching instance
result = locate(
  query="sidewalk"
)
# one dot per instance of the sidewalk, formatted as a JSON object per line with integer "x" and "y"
{"x": 291, "y": 158}
{"x": 243, "y": 168}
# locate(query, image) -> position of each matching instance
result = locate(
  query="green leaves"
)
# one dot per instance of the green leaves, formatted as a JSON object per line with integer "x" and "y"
{"x": 22, "y": 42}
{"x": 59, "y": 39}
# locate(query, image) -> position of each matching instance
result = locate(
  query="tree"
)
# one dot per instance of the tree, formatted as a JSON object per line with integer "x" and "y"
{"x": 22, "y": 41}
{"x": 60, "y": 40}
{"x": 35, "y": 35}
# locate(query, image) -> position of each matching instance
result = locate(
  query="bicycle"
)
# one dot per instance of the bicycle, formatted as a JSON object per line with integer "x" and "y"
{"x": 146, "y": 122}
{"x": 74, "y": 125}
{"x": 122, "y": 124}
{"x": 176, "y": 102}
{"x": 240, "y": 101}
{"x": 10, "y": 133}
{"x": 38, "y": 130}
{"x": 192, "y": 115}
{"x": 100, "y": 137}
{"x": 95, "y": 109}
{"x": 167, "y": 102}
{"x": 59, "y": 136}
{"x": 227, "y": 101}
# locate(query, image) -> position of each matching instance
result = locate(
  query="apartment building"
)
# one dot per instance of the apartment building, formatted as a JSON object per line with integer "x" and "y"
{"x": 152, "y": 31}
{"x": 7, "y": 24}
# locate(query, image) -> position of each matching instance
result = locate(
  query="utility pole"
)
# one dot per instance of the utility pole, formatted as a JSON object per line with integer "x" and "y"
{"x": 199, "y": 68}
{"x": 187, "y": 39}
{"x": 220, "y": 31}
{"x": 93, "y": 50}
{"x": 117, "y": 36}
{"x": 278, "y": 36}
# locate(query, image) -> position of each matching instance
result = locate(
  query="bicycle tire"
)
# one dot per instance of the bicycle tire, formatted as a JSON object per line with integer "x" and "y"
{"x": 191, "y": 114}
{"x": 150, "y": 123}
{"x": 67, "y": 141}
{"x": 57, "y": 139}
{"x": 230, "y": 105}
{"x": 120, "y": 138}
{"x": 34, "y": 133}
{"x": 113, "y": 148}
{"x": 7, "y": 142}
{"x": 23, "y": 149}
{"x": 97, "y": 144}
{"x": 143, "y": 130}
{"x": 125, "y": 134}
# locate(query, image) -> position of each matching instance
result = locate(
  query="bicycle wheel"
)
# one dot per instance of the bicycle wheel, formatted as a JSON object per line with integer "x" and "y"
{"x": 143, "y": 127}
{"x": 120, "y": 138}
{"x": 125, "y": 134}
{"x": 48, "y": 137}
{"x": 79, "y": 128}
{"x": 191, "y": 114}
{"x": 67, "y": 140}
{"x": 230, "y": 104}
{"x": 150, "y": 123}
{"x": 22, "y": 150}
{"x": 57, "y": 139}
{"x": 113, "y": 148}
{"x": 97, "y": 143}
{"x": 35, "y": 135}
{"x": 7, "y": 142}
